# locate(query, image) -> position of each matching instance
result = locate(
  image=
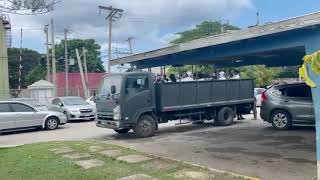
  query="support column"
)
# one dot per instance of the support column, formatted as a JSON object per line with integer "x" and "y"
{"x": 311, "y": 48}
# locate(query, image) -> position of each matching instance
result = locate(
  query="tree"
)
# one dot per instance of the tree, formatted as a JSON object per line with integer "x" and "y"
{"x": 30, "y": 59}
{"x": 205, "y": 29}
{"x": 36, "y": 74}
{"x": 262, "y": 76}
{"x": 27, "y": 7}
{"x": 94, "y": 62}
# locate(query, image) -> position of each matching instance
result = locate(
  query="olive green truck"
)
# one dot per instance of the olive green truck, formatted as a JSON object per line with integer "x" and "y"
{"x": 135, "y": 101}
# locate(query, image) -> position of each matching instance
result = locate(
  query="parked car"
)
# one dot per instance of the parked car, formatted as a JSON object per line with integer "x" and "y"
{"x": 90, "y": 100}
{"x": 32, "y": 102}
{"x": 75, "y": 108}
{"x": 15, "y": 115}
{"x": 288, "y": 105}
{"x": 257, "y": 94}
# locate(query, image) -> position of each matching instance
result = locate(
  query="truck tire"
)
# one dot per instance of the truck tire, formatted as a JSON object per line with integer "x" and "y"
{"x": 122, "y": 131}
{"x": 145, "y": 127}
{"x": 225, "y": 116}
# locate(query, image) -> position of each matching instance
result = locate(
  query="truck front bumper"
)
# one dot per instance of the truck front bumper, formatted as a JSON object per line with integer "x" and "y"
{"x": 108, "y": 124}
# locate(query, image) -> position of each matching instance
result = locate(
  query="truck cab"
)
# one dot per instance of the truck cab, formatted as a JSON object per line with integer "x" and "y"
{"x": 123, "y": 98}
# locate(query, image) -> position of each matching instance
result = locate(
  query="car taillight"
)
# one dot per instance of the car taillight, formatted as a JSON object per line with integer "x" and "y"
{"x": 263, "y": 97}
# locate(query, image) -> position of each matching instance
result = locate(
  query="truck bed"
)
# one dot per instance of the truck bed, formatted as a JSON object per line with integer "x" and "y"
{"x": 199, "y": 94}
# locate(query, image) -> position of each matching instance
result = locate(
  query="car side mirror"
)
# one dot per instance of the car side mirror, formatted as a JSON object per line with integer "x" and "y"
{"x": 113, "y": 89}
{"x": 60, "y": 104}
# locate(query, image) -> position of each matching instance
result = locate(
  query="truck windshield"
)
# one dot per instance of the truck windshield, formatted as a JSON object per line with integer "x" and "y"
{"x": 105, "y": 89}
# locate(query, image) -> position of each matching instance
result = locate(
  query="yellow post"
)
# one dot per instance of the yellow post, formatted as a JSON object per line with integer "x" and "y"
{"x": 4, "y": 74}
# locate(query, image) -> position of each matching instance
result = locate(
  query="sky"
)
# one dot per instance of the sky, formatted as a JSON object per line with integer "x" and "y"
{"x": 152, "y": 23}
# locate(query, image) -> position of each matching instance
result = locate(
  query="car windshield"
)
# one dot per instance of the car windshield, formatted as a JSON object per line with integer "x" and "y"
{"x": 74, "y": 101}
{"x": 105, "y": 88}
{"x": 32, "y": 102}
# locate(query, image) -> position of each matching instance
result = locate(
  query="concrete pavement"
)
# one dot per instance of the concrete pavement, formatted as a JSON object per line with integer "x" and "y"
{"x": 248, "y": 147}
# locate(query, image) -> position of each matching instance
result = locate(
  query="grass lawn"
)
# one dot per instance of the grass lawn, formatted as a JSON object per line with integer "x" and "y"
{"x": 37, "y": 162}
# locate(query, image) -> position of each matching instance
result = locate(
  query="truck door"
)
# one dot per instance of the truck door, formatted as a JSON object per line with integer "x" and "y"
{"x": 137, "y": 97}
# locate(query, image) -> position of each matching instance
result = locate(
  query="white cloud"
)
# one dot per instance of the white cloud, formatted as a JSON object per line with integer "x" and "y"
{"x": 151, "y": 22}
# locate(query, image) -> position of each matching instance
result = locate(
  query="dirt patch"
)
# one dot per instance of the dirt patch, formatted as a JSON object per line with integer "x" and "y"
{"x": 76, "y": 156}
{"x": 62, "y": 150}
{"x": 111, "y": 153}
{"x": 87, "y": 164}
{"x": 160, "y": 166}
{"x": 134, "y": 158}
{"x": 95, "y": 148}
{"x": 138, "y": 177}
{"x": 193, "y": 175}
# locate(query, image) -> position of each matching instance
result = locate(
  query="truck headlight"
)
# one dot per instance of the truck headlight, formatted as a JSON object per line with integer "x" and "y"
{"x": 117, "y": 113}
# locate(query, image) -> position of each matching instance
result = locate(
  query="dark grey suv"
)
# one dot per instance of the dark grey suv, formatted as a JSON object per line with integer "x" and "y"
{"x": 288, "y": 105}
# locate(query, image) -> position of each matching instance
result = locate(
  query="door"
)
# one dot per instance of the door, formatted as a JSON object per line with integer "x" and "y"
{"x": 137, "y": 96}
{"x": 26, "y": 116}
{"x": 299, "y": 100}
{"x": 7, "y": 117}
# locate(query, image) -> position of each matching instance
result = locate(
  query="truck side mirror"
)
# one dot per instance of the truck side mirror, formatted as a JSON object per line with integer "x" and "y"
{"x": 113, "y": 89}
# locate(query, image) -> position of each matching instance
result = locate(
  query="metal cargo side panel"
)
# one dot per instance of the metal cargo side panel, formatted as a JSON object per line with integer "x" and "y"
{"x": 233, "y": 90}
{"x": 167, "y": 96}
{"x": 246, "y": 89}
{"x": 204, "y": 92}
{"x": 219, "y": 92}
{"x": 188, "y": 94}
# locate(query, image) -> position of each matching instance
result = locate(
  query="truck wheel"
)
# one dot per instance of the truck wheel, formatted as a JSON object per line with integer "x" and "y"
{"x": 145, "y": 127}
{"x": 122, "y": 131}
{"x": 225, "y": 116}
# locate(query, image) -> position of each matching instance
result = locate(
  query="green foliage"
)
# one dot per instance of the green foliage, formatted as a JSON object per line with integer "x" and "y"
{"x": 94, "y": 62}
{"x": 289, "y": 72}
{"x": 30, "y": 59}
{"x": 36, "y": 74}
{"x": 262, "y": 76}
{"x": 205, "y": 29}
{"x": 206, "y": 69}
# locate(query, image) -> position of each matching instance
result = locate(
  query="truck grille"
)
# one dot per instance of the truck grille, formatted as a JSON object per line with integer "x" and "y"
{"x": 108, "y": 117}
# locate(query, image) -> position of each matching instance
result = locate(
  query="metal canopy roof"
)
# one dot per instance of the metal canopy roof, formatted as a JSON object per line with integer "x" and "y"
{"x": 275, "y": 44}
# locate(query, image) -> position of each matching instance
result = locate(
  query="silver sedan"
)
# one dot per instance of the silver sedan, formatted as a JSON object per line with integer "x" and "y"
{"x": 16, "y": 115}
{"x": 75, "y": 108}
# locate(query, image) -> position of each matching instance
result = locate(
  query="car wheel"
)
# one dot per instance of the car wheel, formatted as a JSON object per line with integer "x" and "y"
{"x": 122, "y": 131}
{"x": 145, "y": 127}
{"x": 52, "y": 123}
{"x": 225, "y": 116}
{"x": 281, "y": 120}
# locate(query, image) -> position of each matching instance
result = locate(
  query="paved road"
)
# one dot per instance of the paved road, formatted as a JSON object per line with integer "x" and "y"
{"x": 248, "y": 147}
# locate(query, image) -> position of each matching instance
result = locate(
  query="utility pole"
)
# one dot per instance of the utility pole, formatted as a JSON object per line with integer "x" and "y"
{"x": 130, "y": 45}
{"x": 20, "y": 62}
{"x": 111, "y": 17}
{"x": 66, "y": 61}
{"x": 46, "y": 31}
{"x": 81, "y": 74}
{"x": 85, "y": 64}
{"x": 54, "y": 70}
{"x": 258, "y": 21}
